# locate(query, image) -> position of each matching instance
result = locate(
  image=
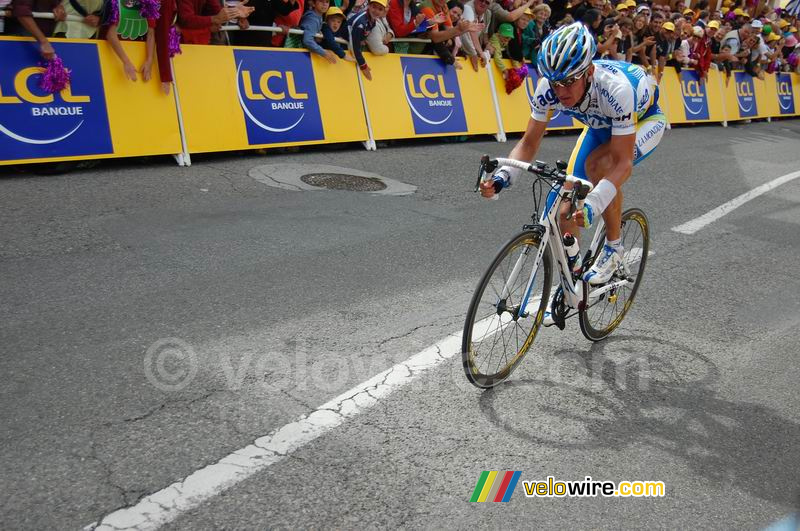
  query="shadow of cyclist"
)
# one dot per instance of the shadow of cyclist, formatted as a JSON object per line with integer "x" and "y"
{"x": 747, "y": 445}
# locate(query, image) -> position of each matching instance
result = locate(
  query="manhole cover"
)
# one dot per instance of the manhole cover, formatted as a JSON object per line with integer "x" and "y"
{"x": 342, "y": 181}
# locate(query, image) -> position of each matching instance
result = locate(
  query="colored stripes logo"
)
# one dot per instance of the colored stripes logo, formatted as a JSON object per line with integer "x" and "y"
{"x": 495, "y": 486}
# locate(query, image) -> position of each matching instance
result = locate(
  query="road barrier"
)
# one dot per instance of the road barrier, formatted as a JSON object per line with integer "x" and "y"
{"x": 231, "y": 98}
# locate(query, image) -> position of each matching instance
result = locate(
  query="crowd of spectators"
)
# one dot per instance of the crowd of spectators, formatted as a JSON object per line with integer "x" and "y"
{"x": 731, "y": 34}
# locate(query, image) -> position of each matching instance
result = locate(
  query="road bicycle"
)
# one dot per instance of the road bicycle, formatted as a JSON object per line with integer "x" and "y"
{"x": 508, "y": 306}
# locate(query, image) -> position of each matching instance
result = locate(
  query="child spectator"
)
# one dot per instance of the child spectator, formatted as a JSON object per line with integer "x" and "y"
{"x": 360, "y": 27}
{"x": 456, "y": 9}
{"x": 625, "y": 42}
{"x": 311, "y": 23}
{"x": 499, "y": 43}
{"x": 131, "y": 25}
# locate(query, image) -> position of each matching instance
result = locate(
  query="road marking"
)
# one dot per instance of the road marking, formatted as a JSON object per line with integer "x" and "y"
{"x": 167, "y": 504}
{"x": 690, "y": 227}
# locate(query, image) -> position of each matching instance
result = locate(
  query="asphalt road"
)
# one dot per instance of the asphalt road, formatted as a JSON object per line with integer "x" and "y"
{"x": 286, "y": 299}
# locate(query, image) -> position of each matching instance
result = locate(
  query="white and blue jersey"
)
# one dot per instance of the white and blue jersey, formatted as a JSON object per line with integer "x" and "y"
{"x": 622, "y": 100}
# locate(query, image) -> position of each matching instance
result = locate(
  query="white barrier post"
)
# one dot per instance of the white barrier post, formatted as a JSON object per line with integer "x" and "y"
{"x": 501, "y": 133}
{"x": 183, "y": 159}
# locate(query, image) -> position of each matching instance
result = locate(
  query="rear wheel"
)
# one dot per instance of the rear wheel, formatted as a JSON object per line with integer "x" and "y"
{"x": 604, "y": 313}
{"x": 499, "y": 331}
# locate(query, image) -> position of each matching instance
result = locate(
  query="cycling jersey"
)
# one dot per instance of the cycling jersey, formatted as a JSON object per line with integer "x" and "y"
{"x": 619, "y": 95}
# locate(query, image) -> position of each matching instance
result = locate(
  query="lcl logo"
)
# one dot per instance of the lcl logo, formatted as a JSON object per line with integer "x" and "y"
{"x": 23, "y": 93}
{"x": 744, "y": 89}
{"x": 784, "y": 88}
{"x": 283, "y": 83}
{"x": 692, "y": 88}
{"x": 428, "y": 86}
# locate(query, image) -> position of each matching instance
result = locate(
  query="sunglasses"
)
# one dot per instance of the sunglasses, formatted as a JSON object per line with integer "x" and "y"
{"x": 567, "y": 82}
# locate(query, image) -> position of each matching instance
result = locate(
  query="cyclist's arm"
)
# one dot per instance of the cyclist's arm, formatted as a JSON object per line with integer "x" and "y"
{"x": 528, "y": 145}
{"x": 525, "y": 150}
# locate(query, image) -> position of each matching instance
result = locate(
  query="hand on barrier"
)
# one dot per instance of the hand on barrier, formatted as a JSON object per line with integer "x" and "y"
{"x": 243, "y": 23}
{"x": 47, "y": 51}
{"x": 130, "y": 71}
{"x": 330, "y": 57}
{"x": 146, "y": 71}
{"x": 367, "y": 73}
{"x": 242, "y": 10}
{"x": 59, "y": 13}
{"x": 473, "y": 60}
{"x": 92, "y": 20}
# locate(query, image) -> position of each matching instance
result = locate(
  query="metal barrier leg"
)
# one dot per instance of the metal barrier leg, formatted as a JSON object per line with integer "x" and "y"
{"x": 501, "y": 133}
{"x": 183, "y": 158}
{"x": 722, "y": 98}
{"x": 368, "y": 144}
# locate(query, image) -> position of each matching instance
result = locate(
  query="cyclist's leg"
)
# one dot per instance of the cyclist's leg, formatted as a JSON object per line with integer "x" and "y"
{"x": 589, "y": 141}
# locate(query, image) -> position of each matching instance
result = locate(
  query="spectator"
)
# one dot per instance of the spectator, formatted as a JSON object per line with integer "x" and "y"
{"x": 578, "y": 9}
{"x": 264, "y": 14}
{"x": 168, "y": 13}
{"x": 622, "y": 10}
{"x": 735, "y": 38}
{"x": 665, "y": 46}
{"x": 608, "y": 40}
{"x": 288, "y": 21}
{"x": 535, "y": 33}
{"x": 703, "y": 19}
{"x": 473, "y": 42}
{"x": 131, "y": 26}
{"x": 456, "y": 9}
{"x": 360, "y": 27}
{"x": 405, "y": 19}
{"x": 312, "y": 23}
{"x": 700, "y": 52}
{"x": 381, "y": 35}
{"x": 645, "y": 11}
{"x": 499, "y": 42}
{"x": 90, "y": 10}
{"x": 198, "y": 18}
{"x": 334, "y": 22}
{"x": 625, "y": 41}
{"x": 24, "y": 24}
{"x": 643, "y": 41}
{"x": 516, "y": 46}
{"x": 592, "y": 19}
{"x": 444, "y": 35}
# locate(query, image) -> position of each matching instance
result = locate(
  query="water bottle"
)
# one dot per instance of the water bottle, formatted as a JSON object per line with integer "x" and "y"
{"x": 573, "y": 252}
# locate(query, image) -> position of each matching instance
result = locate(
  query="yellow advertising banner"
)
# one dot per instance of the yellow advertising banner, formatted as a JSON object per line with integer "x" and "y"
{"x": 686, "y": 98}
{"x": 420, "y": 96}
{"x": 101, "y": 114}
{"x": 237, "y": 98}
{"x": 746, "y": 97}
{"x": 515, "y": 108}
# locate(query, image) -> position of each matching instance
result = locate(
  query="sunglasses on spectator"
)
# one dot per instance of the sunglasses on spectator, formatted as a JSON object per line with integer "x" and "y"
{"x": 567, "y": 82}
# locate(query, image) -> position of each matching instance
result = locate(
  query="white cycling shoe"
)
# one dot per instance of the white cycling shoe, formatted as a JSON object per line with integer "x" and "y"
{"x": 604, "y": 267}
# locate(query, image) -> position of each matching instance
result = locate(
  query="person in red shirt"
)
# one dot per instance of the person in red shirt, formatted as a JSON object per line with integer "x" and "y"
{"x": 700, "y": 52}
{"x": 199, "y": 18}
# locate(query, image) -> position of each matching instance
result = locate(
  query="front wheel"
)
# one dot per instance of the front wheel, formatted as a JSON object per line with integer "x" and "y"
{"x": 499, "y": 328}
{"x": 605, "y": 312}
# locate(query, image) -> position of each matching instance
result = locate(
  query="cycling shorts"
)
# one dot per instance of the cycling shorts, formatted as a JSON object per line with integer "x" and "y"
{"x": 649, "y": 130}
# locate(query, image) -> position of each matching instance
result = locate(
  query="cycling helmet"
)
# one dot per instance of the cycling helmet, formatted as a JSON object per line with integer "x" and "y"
{"x": 566, "y": 52}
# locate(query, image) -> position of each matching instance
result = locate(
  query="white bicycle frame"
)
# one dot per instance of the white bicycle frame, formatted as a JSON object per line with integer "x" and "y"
{"x": 574, "y": 292}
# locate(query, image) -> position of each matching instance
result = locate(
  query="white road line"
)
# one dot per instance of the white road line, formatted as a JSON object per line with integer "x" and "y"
{"x": 690, "y": 227}
{"x": 167, "y": 504}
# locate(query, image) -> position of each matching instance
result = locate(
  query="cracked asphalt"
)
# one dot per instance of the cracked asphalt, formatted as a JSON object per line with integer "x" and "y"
{"x": 156, "y": 319}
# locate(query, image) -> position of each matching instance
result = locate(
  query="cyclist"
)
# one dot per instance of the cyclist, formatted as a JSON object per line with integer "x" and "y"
{"x": 618, "y": 103}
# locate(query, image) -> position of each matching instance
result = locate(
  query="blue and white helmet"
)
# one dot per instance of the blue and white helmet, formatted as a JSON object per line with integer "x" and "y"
{"x": 566, "y": 52}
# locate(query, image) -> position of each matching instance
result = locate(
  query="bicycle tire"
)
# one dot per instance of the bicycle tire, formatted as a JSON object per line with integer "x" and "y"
{"x": 589, "y": 330}
{"x": 527, "y": 242}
